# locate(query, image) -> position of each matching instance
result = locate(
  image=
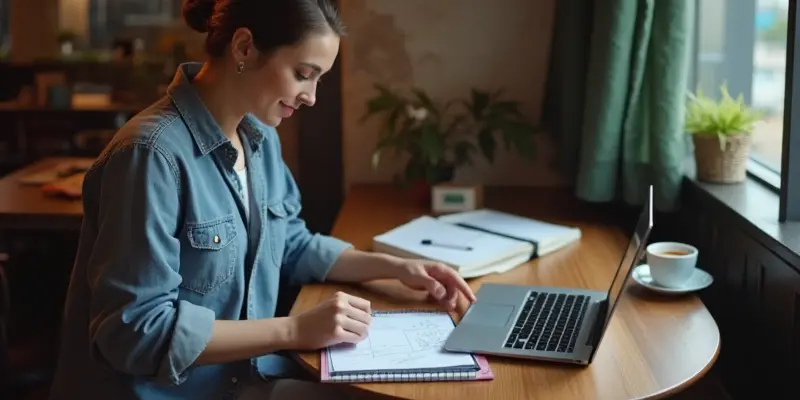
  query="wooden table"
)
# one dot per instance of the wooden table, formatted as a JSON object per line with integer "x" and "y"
{"x": 654, "y": 346}
{"x": 27, "y": 207}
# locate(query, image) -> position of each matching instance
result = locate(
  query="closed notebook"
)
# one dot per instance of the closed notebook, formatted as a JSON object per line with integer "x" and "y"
{"x": 546, "y": 237}
{"x": 469, "y": 251}
{"x": 403, "y": 346}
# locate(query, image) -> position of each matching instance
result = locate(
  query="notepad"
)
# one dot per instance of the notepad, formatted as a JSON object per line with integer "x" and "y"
{"x": 403, "y": 345}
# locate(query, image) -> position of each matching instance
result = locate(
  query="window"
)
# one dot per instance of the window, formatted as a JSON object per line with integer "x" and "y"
{"x": 751, "y": 62}
{"x": 749, "y": 45}
{"x": 769, "y": 79}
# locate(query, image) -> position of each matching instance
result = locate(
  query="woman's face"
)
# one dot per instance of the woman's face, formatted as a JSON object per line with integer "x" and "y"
{"x": 273, "y": 88}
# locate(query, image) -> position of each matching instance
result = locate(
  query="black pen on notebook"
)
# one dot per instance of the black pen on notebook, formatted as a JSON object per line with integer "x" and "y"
{"x": 428, "y": 242}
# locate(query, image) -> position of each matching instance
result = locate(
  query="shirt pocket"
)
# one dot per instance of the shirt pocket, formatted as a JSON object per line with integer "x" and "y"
{"x": 210, "y": 259}
{"x": 278, "y": 215}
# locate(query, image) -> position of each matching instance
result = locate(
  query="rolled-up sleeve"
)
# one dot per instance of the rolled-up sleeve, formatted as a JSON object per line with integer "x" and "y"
{"x": 308, "y": 256}
{"x": 138, "y": 326}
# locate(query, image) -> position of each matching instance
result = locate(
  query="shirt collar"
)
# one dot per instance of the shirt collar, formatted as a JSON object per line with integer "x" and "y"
{"x": 201, "y": 124}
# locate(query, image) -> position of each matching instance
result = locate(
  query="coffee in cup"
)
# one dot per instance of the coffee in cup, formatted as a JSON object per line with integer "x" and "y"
{"x": 671, "y": 263}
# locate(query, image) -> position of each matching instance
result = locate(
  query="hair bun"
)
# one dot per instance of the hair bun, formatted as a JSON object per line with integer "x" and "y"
{"x": 197, "y": 13}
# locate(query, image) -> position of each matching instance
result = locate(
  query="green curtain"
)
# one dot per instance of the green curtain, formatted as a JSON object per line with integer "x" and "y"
{"x": 616, "y": 96}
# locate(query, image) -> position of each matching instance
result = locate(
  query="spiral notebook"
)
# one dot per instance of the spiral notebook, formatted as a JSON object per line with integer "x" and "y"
{"x": 404, "y": 345}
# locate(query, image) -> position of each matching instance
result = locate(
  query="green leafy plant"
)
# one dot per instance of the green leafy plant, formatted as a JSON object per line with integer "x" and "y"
{"x": 438, "y": 138}
{"x": 724, "y": 118}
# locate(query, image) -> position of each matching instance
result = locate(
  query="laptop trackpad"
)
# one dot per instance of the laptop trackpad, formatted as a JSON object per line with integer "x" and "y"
{"x": 494, "y": 315}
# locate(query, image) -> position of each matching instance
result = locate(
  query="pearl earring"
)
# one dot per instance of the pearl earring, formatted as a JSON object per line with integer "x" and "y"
{"x": 240, "y": 67}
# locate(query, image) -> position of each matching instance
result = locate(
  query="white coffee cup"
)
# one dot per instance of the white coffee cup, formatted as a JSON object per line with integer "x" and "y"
{"x": 671, "y": 263}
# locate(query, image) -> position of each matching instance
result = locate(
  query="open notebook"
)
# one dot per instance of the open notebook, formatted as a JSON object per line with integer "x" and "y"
{"x": 403, "y": 346}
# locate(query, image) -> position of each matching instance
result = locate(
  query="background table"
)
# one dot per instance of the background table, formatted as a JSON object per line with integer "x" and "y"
{"x": 27, "y": 207}
{"x": 655, "y": 346}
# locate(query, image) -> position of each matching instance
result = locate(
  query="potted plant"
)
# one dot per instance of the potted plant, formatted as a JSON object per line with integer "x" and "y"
{"x": 721, "y": 132}
{"x": 437, "y": 138}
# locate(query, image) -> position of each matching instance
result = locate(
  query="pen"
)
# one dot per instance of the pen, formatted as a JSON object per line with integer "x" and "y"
{"x": 429, "y": 242}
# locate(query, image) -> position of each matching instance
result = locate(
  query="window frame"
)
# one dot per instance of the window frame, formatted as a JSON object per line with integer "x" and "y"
{"x": 763, "y": 173}
{"x": 790, "y": 164}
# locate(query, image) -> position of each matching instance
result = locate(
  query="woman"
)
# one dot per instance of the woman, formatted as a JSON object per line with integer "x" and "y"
{"x": 191, "y": 226}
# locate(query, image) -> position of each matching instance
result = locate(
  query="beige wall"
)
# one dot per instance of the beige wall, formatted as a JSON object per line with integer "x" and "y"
{"x": 446, "y": 47}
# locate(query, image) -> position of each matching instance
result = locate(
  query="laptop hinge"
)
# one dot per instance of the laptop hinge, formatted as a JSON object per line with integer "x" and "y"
{"x": 597, "y": 328}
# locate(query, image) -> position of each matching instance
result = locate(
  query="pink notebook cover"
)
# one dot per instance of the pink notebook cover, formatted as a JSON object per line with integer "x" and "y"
{"x": 484, "y": 374}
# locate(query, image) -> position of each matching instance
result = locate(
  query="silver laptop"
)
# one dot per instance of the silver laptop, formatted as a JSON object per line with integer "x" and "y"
{"x": 547, "y": 323}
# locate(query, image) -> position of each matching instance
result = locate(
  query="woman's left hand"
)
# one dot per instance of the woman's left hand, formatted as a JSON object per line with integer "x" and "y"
{"x": 440, "y": 281}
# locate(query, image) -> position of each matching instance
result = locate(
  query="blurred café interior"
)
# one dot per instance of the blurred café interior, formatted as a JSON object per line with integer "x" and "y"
{"x": 71, "y": 73}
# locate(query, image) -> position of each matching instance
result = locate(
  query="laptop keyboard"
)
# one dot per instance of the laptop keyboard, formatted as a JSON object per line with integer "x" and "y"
{"x": 548, "y": 322}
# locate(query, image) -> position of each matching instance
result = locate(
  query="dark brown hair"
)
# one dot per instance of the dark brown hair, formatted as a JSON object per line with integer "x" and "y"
{"x": 273, "y": 23}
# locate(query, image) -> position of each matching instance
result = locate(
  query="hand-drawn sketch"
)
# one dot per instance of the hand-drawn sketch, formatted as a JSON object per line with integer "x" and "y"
{"x": 399, "y": 341}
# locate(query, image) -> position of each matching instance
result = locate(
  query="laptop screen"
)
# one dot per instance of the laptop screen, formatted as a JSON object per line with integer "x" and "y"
{"x": 633, "y": 254}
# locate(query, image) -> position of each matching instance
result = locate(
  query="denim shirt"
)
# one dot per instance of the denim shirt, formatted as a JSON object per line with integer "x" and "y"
{"x": 166, "y": 248}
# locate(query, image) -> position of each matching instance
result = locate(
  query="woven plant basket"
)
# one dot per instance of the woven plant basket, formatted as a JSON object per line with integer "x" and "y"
{"x": 718, "y": 164}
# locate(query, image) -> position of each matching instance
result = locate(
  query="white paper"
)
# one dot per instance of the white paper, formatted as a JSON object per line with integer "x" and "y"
{"x": 400, "y": 341}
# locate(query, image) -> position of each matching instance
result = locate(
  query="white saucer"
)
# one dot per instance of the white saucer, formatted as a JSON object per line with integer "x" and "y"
{"x": 700, "y": 280}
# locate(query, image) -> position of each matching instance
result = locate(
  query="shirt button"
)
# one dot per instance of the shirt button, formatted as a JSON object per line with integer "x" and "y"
{"x": 216, "y": 239}
{"x": 234, "y": 379}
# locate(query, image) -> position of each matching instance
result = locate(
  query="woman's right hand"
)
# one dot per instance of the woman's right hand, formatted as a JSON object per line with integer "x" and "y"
{"x": 341, "y": 319}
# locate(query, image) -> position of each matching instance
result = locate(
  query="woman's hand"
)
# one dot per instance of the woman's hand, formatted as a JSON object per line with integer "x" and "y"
{"x": 341, "y": 319}
{"x": 440, "y": 281}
